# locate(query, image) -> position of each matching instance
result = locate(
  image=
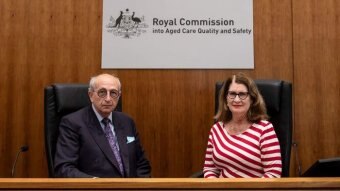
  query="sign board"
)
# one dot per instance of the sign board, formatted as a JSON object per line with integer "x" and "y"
{"x": 177, "y": 34}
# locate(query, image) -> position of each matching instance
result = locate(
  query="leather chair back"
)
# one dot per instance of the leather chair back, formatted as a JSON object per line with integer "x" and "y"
{"x": 277, "y": 95}
{"x": 60, "y": 100}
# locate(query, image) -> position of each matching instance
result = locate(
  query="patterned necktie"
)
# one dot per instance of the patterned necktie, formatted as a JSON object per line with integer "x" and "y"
{"x": 113, "y": 143}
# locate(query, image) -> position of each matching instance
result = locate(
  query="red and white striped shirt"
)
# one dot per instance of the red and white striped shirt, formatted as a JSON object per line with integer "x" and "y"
{"x": 251, "y": 154}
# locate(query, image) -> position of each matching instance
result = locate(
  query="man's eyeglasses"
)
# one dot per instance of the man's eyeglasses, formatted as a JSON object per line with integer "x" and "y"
{"x": 241, "y": 95}
{"x": 103, "y": 93}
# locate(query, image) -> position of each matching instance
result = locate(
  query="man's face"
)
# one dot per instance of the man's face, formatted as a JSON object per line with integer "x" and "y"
{"x": 105, "y": 95}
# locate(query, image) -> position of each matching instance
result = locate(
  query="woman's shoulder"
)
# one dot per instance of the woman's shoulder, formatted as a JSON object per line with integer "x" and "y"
{"x": 263, "y": 125}
{"x": 217, "y": 125}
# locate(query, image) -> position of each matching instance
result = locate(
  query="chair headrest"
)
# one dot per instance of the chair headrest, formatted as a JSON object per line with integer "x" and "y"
{"x": 271, "y": 93}
{"x": 71, "y": 97}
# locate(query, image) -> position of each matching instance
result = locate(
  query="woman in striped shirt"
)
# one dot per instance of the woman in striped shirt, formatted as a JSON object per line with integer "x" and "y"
{"x": 242, "y": 143}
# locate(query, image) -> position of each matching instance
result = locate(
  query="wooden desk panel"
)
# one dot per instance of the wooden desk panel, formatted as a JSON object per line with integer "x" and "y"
{"x": 170, "y": 184}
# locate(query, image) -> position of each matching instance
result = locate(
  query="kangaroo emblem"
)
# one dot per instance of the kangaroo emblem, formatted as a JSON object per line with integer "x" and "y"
{"x": 119, "y": 19}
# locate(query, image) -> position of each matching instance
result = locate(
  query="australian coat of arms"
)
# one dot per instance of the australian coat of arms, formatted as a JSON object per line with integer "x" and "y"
{"x": 126, "y": 25}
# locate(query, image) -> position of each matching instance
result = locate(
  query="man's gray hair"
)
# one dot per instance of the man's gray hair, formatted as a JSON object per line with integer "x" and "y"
{"x": 93, "y": 79}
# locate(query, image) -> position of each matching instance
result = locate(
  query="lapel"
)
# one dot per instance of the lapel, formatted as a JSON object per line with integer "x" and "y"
{"x": 121, "y": 135}
{"x": 99, "y": 137}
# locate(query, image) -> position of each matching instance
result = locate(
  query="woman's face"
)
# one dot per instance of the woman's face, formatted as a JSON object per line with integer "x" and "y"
{"x": 238, "y": 99}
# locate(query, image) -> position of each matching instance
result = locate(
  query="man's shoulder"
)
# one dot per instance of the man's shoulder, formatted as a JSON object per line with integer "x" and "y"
{"x": 80, "y": 112}
{"x": 121, "y": 115}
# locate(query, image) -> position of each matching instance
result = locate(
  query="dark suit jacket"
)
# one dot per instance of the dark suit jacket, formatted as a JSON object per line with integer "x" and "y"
{"x": 83, "y": 150}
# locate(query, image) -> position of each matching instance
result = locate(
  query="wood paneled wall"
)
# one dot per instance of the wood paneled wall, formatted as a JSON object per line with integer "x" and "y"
{"x": 316, "y": 79}
{"x": 45, "y": 41}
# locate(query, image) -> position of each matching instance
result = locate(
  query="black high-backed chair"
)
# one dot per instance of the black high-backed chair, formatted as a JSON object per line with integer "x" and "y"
{"x": 277, "y": 95}
{"x": 60, "y": 100}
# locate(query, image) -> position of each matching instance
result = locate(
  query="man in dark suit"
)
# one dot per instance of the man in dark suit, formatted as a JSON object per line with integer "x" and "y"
{"x": 97, "y": 141}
